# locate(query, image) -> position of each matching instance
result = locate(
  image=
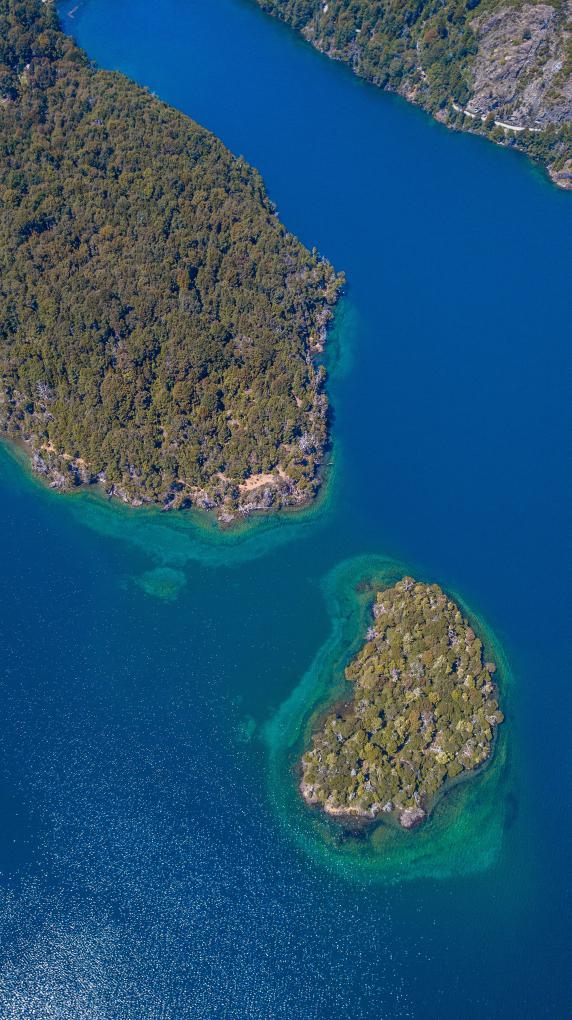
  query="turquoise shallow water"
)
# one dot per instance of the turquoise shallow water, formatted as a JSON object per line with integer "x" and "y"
{"x": 154, "y": 862}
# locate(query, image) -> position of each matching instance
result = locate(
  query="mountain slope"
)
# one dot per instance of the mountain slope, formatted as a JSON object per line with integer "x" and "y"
{"x": 502, "y": 67}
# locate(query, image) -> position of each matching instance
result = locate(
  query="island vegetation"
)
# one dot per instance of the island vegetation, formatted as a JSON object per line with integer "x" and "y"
{"x": 500, "y": 67}
{"x": 160, "y": 329}
{"x": 423, "y": 713}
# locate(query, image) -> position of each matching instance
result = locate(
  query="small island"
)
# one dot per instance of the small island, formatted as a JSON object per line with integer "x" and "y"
{"x": 424, "y": 711}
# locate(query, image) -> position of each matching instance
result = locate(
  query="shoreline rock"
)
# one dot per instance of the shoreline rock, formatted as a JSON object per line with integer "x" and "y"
{"x": 412, "y": 817}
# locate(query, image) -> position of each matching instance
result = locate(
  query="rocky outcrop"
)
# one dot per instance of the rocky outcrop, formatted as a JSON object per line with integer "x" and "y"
{"x": 519, "y": 71}
{"x": 563, "y": 176}
{"x": 412, "y": 817}
{"x": 228, "y": 500}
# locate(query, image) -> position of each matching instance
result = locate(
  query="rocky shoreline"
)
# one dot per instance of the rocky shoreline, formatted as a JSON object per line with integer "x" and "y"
{"x": 272, "y": 493}
{"x": 408, "y": 818}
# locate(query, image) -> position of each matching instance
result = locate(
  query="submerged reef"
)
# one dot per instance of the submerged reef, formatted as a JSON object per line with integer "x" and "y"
{"x": 424, "y": 711}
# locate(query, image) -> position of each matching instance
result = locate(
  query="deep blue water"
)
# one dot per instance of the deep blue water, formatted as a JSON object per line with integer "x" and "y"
{"x": 143, "y": 871}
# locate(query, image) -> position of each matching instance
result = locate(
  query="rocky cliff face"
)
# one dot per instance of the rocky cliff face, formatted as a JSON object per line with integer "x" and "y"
{"x": 520, "y": 71}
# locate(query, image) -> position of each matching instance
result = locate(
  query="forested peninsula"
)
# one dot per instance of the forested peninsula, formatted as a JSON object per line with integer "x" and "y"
{"x": 160, "y": 330}
{"x": 424, "y": 711}
{"x": 502, "y": 68}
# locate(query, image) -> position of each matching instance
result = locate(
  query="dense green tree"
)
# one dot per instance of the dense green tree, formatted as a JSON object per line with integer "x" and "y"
{"x": 158, "y": 325}
{"x": 423, "y": 49}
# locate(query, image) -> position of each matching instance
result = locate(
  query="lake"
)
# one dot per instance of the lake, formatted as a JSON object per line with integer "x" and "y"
{"x": 154, "y": 861}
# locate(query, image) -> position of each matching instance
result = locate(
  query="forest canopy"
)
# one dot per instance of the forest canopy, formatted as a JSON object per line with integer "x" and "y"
{"x": 424, "y": 711}
{"x": 159, "y": 326}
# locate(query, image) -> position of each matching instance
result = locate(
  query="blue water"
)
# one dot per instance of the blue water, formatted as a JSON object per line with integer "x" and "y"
{"x": 144, "y": 872}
